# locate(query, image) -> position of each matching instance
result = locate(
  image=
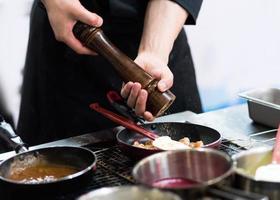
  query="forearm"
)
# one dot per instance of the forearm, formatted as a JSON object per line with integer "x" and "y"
{"x": 163, "y": 21}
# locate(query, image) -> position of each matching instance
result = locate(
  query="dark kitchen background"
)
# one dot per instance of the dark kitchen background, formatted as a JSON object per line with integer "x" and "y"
{"x": 235, "y": 46}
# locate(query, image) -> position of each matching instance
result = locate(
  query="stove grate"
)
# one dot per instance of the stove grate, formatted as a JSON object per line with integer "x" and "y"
{"x": 114, "y": 161}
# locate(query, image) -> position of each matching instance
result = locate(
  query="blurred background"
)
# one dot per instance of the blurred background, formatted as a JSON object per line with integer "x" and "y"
{"x": 235, "y": 47}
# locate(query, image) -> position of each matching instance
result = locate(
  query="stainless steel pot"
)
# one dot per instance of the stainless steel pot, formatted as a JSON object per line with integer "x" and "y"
{"x": 246, "y": 164}
{"x": 190, "y": 174}
{"x": 128, "y": 192}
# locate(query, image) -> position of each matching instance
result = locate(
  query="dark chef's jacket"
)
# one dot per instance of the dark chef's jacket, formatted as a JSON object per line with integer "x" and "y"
{"x": 59, "y": 85}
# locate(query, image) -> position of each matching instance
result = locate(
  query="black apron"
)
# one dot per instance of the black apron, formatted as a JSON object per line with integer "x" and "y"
{"x": 59, "y": 84}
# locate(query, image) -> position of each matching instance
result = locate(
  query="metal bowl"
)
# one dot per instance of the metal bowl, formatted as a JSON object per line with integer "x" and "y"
{"x": 128, "y": 192}
{"x": 186, "y": 172}
{"x": 246, "y": 164}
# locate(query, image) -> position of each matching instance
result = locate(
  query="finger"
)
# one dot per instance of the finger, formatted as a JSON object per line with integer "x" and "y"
{"x": 76, "y": 45}
{"x": 166, "y": 80}
{"x": 88, "y": 17}
{"x": 125, "y": 91}
{"x": 148, "y": 116}
{"x": 133, "y": 95}
{"x": 140, "y": 105}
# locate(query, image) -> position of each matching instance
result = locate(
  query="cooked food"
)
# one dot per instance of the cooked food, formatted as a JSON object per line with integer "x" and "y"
{"x": 41, "y": 173}
{"x": 196, "y": 144}
{"x": 146, "y": 145}
{"x": 186, "y": 141}
{"x": 166, "y": 143}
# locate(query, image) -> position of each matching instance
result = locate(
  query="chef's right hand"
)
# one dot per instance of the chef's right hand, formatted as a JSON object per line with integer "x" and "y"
{"x": 63, "y": 14}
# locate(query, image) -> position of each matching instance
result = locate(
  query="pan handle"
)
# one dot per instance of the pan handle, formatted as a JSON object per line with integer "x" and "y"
{"x": 230, "y": 193}
{"x": 123, "y": 121}
{"x": 9, "y": 136}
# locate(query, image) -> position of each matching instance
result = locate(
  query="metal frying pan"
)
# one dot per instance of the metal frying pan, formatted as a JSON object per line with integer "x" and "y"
{"x": 126, "y": 138}
{"x": 81, "y": 160}
{"x": 210, "y": 137}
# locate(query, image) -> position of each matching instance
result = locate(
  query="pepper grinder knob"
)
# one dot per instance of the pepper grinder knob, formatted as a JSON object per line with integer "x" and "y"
{"x": 94, "y": 38}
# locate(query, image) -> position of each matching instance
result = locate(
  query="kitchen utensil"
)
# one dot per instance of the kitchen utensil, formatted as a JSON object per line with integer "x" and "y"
{"x": 176, "y": 130}
{"x": 246, "y": 163}
{"x": 131, "y": 192}
{"x": 81, "y": 160}
{"x": 121, "y": 106}
{"x": 164, "y": 142}
{"x": 271, "y": 172}
{"x": 190, "y": 174}
{"x": 94, "y": 38}
{"x": 264, "y": 105}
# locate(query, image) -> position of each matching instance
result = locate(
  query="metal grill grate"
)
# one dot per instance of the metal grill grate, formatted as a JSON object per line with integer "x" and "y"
{"x": 113, "y": 160}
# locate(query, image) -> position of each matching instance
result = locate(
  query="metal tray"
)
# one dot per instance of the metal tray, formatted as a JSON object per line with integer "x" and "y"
{"x": 264, "y": 105}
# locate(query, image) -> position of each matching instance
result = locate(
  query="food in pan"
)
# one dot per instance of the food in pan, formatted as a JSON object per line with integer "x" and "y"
{"x": 41, "y": 173}
{"x": 186, "y": 141}
{"x": 146, "y": 145}
{"x": 166, "y": 143}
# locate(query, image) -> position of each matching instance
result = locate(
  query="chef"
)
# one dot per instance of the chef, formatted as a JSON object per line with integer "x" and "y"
{"x": 62, "y": 77}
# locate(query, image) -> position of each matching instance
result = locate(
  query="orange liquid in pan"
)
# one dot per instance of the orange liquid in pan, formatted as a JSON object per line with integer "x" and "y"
{"x": 42, "y": 173}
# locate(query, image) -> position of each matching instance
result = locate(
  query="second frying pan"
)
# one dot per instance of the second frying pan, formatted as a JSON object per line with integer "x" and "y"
{"x": 210, "y": 137}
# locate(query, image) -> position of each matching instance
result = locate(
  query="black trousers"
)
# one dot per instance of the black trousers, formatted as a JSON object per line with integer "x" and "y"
{"x": 59, "y": 84}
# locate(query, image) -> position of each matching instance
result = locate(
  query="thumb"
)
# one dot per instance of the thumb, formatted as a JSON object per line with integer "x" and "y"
{"x": 166, "y": 80}
{"x": 88, "y": 17}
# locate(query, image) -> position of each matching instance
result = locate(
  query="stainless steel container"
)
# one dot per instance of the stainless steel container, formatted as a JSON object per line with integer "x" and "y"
{"x": 264, "y": 105}
{"x": 246, "y": 164}
{"x": 128, "y": 192}
{"x": 200, "y": 168}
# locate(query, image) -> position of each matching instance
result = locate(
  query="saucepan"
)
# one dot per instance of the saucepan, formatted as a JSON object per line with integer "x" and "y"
{"x": 45, "y": 171}
{"x": 191, "y": 173}
{"x": 246, "y": 163}
{"x": 126, "y": 137}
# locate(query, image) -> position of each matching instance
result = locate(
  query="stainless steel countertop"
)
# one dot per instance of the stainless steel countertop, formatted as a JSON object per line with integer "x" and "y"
{"x": 233, "y": 123}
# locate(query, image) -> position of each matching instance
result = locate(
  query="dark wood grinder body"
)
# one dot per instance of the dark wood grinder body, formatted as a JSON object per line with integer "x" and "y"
{"x": 94, "y": 38}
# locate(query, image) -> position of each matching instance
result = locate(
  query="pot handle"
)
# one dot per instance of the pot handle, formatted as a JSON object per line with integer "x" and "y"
{"x": 9, "y": 136}
{"x": 230, "y": 193}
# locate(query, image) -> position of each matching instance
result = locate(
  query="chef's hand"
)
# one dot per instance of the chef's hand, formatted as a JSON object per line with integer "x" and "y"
{"x": 63, "y": 14}
{"x": 137, "y": 97}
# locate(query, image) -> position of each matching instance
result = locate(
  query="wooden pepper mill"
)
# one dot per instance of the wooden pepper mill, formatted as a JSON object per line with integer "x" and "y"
{"x": 94, "y": 38}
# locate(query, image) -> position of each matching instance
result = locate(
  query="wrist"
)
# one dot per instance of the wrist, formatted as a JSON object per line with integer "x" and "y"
{"x": 153, "y": 57}
{"x": 161, "y": 54}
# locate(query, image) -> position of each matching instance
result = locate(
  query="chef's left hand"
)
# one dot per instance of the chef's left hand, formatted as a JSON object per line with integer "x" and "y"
{"x": 135, "y": 95}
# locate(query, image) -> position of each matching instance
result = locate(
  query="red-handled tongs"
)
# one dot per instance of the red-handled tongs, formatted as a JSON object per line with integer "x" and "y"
{"x": 129, "y": 124}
